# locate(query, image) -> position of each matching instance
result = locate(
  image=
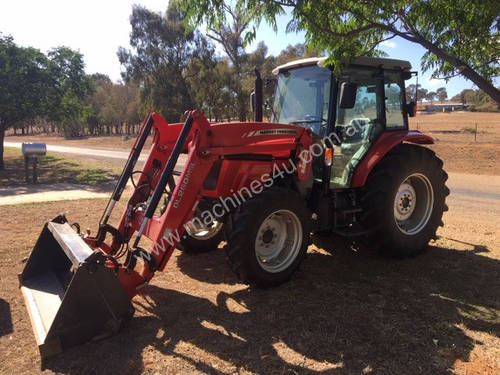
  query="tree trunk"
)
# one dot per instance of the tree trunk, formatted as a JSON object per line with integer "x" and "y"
{"x": 483, "y": 84}
{"x": 2, "y": 136}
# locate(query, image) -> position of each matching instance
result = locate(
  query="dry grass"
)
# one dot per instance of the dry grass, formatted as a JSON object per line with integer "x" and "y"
{"x": 345, "y": 312}
{"x": 487, "y": 122}
{"x": 463, "y": 151}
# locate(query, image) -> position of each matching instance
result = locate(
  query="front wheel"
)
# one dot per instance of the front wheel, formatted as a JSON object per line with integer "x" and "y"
{"x": 200, "y": 236}
{"x": 202, "y": 239}
{"x": 267, "y": 237}
{"x": 404, "y": 200}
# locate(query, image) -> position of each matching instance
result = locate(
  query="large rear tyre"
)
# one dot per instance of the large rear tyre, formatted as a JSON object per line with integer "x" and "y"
{"x": 404, "y": 200}
{"x": 267, "y": 237}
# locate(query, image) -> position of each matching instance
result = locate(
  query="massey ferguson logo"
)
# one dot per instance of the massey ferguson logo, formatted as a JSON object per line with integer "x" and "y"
{"x": 256, "y": 133}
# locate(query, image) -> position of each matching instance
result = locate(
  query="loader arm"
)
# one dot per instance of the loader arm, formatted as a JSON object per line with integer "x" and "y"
{"x": 79, "y": 287}
{"x": 248, "y": 148}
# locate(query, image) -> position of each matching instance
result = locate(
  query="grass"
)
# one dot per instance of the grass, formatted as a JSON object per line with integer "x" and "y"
{"x": 344, "y": 312}
{"x": 54, "y": 169}
{"x": 469, "y": 129}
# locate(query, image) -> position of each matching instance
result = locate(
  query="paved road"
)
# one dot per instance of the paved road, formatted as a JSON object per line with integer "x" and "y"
{"x": 94, "y": 152}
{"x": 50, "y": 193}
{"x": 112, "y": 154}
{"x": 467, "y": 190}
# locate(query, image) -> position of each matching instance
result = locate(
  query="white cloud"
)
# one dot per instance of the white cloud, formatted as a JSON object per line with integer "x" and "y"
{"x": 434, "y": 82}
{"x": 389, "y": 44}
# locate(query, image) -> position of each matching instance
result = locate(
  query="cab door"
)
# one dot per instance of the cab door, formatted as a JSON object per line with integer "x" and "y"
{"x": 357, "y": 127}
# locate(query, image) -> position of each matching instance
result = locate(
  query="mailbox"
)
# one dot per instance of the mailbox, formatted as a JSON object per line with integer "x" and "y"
{"x": 33, "y": 149}
{"x": 31, "y": 152}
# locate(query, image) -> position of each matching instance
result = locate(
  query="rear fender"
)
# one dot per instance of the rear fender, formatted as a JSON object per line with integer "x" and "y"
{"x": 385, "y": 143}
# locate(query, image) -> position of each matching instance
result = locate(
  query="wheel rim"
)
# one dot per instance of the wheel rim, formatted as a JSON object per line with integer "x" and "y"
{"x": 413, "y": 204}
{"x": 204, "y": 232}
{"x": 278, "y": 241}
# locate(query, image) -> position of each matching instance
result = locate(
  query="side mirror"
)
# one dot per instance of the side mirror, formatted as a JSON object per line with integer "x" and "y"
{"x": 411, "y": 109}
{"x": 407, "y": 74}
{"x": 348, "y": 92}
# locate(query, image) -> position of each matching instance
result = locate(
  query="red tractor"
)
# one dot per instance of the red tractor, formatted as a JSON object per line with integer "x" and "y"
{"x": 337, "y": 157}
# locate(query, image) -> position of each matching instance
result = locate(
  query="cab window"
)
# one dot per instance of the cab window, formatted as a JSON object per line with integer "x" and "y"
{"x": 394, "y": 99}
{"x": 302, "y": 97}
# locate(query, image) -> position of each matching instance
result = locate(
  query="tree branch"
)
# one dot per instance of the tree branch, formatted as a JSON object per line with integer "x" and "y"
{"x": 375, "y": 44}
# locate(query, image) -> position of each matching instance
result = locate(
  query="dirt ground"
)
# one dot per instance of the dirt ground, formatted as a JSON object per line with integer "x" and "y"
{"x": 344, "y": 312}
{"x": 455, "y": 142}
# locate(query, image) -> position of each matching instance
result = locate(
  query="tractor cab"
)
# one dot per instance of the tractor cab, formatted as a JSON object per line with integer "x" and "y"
{"x": 345, "y": 113}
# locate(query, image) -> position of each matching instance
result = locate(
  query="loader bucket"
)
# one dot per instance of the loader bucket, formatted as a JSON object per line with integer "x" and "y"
{"x": 71, "y": 296}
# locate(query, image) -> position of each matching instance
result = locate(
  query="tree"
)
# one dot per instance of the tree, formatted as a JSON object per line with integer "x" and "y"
{"x": 23, "y": 82}
{"x": 441, "y": 94}
{"x": 477, "y": 100}
{"x": 297, "y": 51}
{"x": 431, "y": 96}
{"x": 162, "y": 50}
{"x": 95, "y": 102}
{"x": 112, "y": 105}
{"x": 209, "y": 79}
{"x": 410, "y": 92}
{"x": 68, "y": 89}
{"x": 460, "y": 36}
{"x": 231, "y": 37}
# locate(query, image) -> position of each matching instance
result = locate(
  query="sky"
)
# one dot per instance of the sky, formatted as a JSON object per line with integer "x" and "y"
{"x": 98, "y": 28}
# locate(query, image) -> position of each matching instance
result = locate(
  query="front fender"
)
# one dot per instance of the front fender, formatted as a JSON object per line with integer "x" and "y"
{"x": 385, "y": 143}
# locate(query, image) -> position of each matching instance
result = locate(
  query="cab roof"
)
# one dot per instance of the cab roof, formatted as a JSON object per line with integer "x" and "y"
{"x": 363, "y": 61}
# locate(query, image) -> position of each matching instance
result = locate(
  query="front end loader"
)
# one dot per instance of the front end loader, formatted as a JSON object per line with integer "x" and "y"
{"x": 337, "y": 157}
{"x": 78, "y": 287}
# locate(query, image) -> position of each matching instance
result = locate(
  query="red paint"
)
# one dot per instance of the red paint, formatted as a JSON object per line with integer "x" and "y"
{"x": 385, "y": 143}
{"x": 205, "y": 144}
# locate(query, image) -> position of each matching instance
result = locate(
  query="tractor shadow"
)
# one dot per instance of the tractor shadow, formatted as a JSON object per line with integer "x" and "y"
{"x": 210, "y": 267}
{"x": 55, "y": 170}
{"x": 5, "y": 318}
{"x": 344, "y": 312}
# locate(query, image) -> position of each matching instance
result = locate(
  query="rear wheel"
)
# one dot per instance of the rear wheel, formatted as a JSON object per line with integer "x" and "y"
{"x": 404, "y": 200}
{"x": 267, "y": 237}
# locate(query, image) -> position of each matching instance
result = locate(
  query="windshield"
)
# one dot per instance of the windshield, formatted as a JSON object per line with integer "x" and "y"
{"x": 302, "y": 97}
